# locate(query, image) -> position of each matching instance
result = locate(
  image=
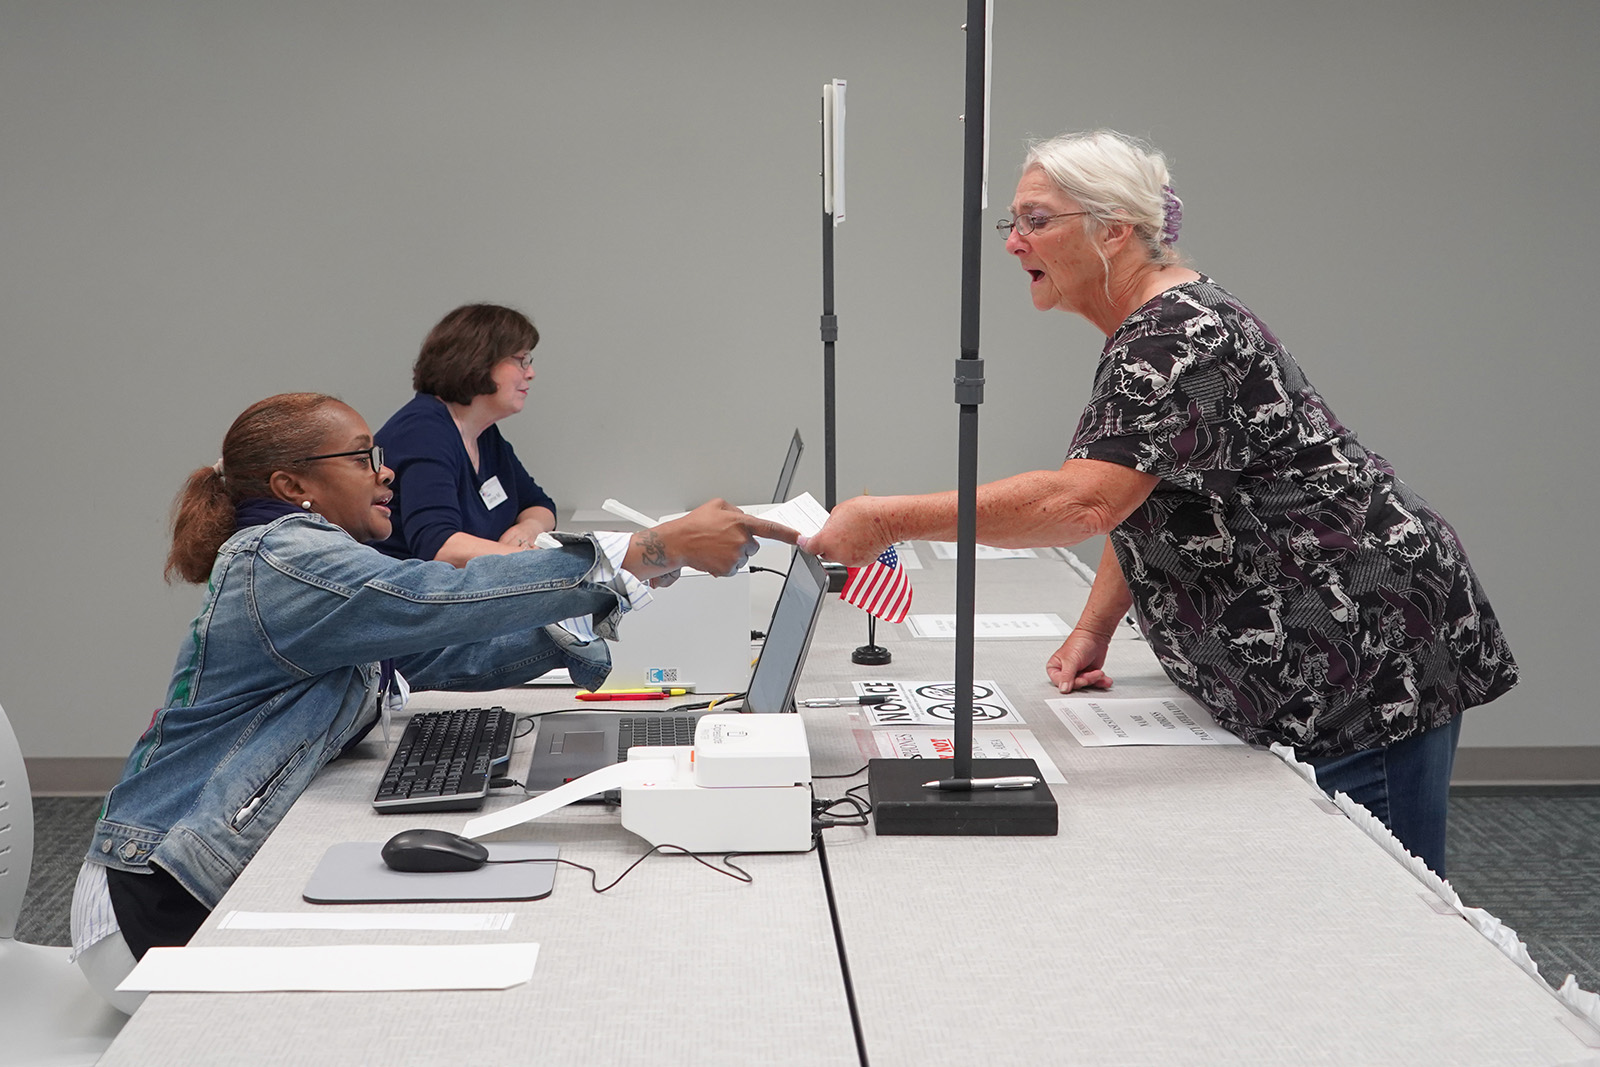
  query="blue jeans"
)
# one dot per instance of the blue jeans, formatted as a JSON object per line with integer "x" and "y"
{"x": 1406, "y": 786}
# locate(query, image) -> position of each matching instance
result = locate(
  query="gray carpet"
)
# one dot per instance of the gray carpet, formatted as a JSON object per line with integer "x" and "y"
{"x": 61, "y": 830}
{"x": 1531, "y": 860}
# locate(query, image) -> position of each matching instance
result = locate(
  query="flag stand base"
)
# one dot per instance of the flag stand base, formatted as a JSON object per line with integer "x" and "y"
{"x": 871, "y": 655}
{"x": 903, "y": 806}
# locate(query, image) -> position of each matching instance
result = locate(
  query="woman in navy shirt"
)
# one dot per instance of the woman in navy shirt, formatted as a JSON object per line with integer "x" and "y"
{"x": 459, "y": 489}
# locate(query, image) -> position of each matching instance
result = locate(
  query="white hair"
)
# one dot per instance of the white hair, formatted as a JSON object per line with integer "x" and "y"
{"x": 1116, "y": 178}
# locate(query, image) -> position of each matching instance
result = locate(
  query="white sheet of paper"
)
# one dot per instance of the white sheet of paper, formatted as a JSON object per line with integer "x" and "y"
{"x": 833, "y": 149}
{"x": 989, "y": 627}
{"x": 612, "y": 776}
{"x": 988, "y": 84}
{"x": 623, "y": 511}
{"x": 909, "y": 560}
{"x": 947, "y": 550}
{"x": 333, "y": 967}
{"x": 802, "y": 513}
{"x": 1099, "y": 721}
{"x": 935, "y": 744}
{"x": 559, "y": 676}
{"x": 933, "y": 704}
{"x": 364, "y": 920}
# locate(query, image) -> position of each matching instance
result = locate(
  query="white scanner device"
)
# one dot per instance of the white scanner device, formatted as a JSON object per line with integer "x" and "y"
{"x": 743, "y": 786}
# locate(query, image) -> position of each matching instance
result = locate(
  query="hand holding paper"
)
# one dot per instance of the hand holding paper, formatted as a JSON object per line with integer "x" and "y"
{"x": 856, "y": 533}
{"x": 715, "y": 537}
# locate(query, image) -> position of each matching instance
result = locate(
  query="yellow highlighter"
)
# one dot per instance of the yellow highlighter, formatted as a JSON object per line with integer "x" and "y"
{"x": 651, "y": 690}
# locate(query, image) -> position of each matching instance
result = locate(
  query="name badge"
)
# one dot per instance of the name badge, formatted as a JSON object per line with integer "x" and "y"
{"x": 493, "y": 495}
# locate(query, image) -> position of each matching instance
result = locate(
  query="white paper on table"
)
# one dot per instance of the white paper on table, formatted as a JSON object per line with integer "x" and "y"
{"x": 909, "y": 560}
{"x": 933, "y": 704}
{"x": 365, "y": 920}
{"x": 611, "y": 776}
{"x": 1097, "y": 721}
{"x": 990, "y": 627}
{"x": 947, "y": 550}
{"x": 333, "y": 967}
{"x": 938, "y": 744}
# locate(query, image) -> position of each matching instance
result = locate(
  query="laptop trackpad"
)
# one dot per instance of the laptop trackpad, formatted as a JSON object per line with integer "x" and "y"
{"x": 580, "y": 743}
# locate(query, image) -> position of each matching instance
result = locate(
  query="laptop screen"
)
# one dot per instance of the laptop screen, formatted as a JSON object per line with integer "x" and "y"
{"x": 784, "y": 651}
{"x": 790, "y": 462}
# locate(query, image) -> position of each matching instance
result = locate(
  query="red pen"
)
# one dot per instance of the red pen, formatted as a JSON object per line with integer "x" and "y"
{"x": 620, "y": 696}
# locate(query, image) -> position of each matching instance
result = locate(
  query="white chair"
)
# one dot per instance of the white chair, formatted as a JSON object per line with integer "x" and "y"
{"x": 48, "y": 1013}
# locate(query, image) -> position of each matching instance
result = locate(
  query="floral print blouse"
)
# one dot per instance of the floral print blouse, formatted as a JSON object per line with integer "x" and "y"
{"x": 1283, "y": 574}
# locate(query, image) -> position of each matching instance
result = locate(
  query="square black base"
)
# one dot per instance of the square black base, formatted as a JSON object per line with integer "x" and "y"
{"x": 901, "y": 806}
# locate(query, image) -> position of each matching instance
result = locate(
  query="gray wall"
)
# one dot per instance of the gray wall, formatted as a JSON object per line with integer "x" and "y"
{"x": 204, "y": 203}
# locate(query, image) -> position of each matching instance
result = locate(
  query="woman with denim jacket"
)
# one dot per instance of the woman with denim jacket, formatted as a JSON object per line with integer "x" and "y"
{"x": 304, "y": 630}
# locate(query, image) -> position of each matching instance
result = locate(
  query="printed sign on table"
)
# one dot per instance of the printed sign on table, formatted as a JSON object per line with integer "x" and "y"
{"x": 933, "y": 704}
{"x": 933, "y": 744}
{"x": 947, "y": 550}
{"x": 1097, "y": 721}
{"x": 990, "y": 627}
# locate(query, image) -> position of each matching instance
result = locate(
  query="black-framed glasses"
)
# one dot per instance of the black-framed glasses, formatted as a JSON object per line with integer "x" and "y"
{"x": 374, "y": 456}
{"x": 1026, "y": 224}
{"x": 524, "y": 361}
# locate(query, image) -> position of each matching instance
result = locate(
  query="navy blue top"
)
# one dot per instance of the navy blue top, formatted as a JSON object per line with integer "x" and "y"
{"x": 436, "y": 491}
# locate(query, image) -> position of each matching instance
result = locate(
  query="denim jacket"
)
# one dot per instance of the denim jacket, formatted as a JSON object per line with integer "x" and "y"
{"x": 279, "y": 672}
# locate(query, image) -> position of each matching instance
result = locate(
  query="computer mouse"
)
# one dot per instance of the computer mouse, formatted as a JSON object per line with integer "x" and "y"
{"x": 433, "y": 850}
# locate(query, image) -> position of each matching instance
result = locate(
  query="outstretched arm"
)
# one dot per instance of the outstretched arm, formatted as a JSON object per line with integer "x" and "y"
{"x": 1084, "y": 498}
{"x": 715, "y": 537}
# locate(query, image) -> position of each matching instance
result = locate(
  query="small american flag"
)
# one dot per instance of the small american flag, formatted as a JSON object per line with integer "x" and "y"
{"x": 881, "y": 588}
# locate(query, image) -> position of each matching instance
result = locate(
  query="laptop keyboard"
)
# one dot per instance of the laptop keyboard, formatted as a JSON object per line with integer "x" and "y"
{"x": 444, "y": 760}
{"x": 653, "y": 730}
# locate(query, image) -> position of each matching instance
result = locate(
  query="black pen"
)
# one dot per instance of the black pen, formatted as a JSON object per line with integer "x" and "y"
{"x": 844, "y": 702}
{"x": 1017, "y": 781}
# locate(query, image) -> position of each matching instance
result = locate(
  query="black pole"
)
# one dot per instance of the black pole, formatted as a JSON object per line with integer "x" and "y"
{"x": 969, "y": 388}
{"x": 872, "y": 654}
{"x": 902, "y": 800}
{"x": 830, "y": 329}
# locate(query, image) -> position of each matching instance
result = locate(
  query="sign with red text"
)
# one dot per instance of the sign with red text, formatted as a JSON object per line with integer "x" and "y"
{"x": 935, "y": 744}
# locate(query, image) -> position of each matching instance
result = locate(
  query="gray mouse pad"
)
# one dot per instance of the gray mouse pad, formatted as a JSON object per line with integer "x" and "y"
{"x": 353, "y": 872}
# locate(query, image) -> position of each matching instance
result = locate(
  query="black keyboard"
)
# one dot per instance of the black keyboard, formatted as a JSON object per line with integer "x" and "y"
{"x": 653, "y": 730}
{"x": 445, "y": 759}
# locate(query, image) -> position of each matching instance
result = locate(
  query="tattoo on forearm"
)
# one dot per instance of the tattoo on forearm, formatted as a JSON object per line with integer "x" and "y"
{"x": 653, "y": 550}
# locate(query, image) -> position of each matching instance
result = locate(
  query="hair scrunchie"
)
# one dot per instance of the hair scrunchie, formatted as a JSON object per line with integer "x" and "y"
{"x": 1171, "y": 215}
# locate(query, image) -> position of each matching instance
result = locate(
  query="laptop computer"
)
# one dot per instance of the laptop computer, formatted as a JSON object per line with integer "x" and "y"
{"x": 571, "y": 744}
{"x": 791, "y": 461}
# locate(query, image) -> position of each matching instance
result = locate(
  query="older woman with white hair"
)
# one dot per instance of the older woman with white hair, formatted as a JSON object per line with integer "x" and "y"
{"x": 1283, "y": 574}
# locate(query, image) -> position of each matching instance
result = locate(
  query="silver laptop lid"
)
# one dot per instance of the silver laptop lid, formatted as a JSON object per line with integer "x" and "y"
{"x": 790, "y": 462}
{"x": 788, "y": 637}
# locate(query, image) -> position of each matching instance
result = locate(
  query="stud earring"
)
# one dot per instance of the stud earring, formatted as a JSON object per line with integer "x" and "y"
{"x": 306, "y": 504}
